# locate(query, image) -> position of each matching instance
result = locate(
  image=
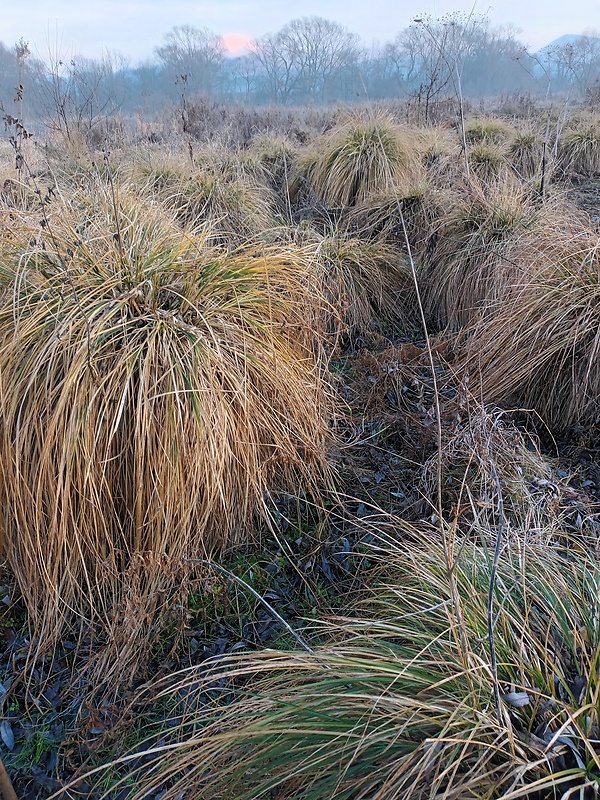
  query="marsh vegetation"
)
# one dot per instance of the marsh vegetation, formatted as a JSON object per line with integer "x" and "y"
{"x": 299, "y": 455}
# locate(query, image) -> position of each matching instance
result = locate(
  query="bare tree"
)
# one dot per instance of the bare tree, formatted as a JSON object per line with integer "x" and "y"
{"x": 575, "y": 65}
{"x": 431, "y": 49}
{"x": 79, "y": 93}
{"x": 197, "y": 54}
{"x": 309, "y": 58}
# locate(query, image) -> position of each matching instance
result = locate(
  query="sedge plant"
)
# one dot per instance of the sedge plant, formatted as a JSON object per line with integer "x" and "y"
{"x": 398, "y": 702}
{"x": 153, "y": 390}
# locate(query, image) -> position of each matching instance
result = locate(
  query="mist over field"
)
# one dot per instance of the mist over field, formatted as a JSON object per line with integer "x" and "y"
{"x": 135, "y": 27}
{"x": 310, "y": 60}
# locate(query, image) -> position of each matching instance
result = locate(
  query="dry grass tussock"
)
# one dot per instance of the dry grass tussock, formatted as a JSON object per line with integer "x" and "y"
{"x": 277, "y": 155}
{"x": 482, "y": 130}
{"x": 539, "y": 346}
{"x": 359, "y": 158}
{"x": 525, "y": 153}
{"x": 579, "y": 148}
{"x": 232, "y": 197}
{"x": 487, "y": 161}
{"x": 399, "y": 701}
{"x": 440, "y": 153}
{"x": 465, "y": 261}
{"x": 379, "y": 217}
{"x": 368, "y": 284}
{"x": 152, "y": 390}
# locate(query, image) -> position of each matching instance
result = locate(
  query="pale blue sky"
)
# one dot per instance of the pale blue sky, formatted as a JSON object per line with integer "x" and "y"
{"x": 135, "y": 27}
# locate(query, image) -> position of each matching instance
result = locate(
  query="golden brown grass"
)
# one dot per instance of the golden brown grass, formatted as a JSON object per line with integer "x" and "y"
{"x": 152, "y": 390}
{"x": 539, "y": 344}
{"x": 482, "y": 130}
{"x": 525, "y": 152}
{"x": 369, "y": 284}
{"x": 579, "y": 148}
{"x": 466, "y": 260}
{"x": 487, "y": 160}
{"x": 378, "y": 217}
{"x": 440, "y": 153}
{"x": 232, "y": 197}
{"x": 362, "y": 157}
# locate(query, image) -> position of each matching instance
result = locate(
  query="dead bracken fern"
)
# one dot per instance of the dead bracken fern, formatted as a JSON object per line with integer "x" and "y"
{"x": 150, "y": 394}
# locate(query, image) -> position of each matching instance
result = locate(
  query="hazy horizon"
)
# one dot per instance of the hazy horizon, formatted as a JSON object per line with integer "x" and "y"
{"x": 135, "y": 27}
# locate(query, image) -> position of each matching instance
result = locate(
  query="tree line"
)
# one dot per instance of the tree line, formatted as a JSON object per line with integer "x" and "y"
{"x": 310, "y": 60}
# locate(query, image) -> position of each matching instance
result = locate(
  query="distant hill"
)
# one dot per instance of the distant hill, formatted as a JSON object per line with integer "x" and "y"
{"x": 567, "y": 38}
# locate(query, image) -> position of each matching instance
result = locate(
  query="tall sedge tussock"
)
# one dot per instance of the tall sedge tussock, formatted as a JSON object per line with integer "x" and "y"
{"x": 399, "y": 703}
{"x": 525, "y": 153}
{"x": 235, "y": 203}
{"x": 152, "y": 390}
{"x": 359, "y": 158}
{"x": 579, "y": 149}
{"x": 277, "y": 155}
{"x": 486, "y": 160}
{"x": 440, "y": 153}
{"x": 368, "y": 283}
{"x": 487, "y": 131}
{"x": 378, "y": 217}
{"x": 465, "y": 262}
{"x": 539, "y": 346}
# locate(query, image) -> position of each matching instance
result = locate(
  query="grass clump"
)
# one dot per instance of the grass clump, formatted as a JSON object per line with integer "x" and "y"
{"x": 378, "y": 217}
{"x": 464, "y": 256}
{"x": 539, "y": 346}
{"x": 369, "y": 284}
{"x": 440, "y": 153}
{"x": 487, "y": 160}
{"x": 236, "y": 203}
{"x": 400, "y": 702}
{"x": 579, "y": 149}
{"x": 362, "y": 157}
{"x": 150, "y": 395}
{"x": 487, "y": 131}
{"x": 525, "y": 153}
{"x": 278, "y": 157}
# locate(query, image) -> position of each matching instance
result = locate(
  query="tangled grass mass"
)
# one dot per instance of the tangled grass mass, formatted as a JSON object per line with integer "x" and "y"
{"x": 299, "y": 471}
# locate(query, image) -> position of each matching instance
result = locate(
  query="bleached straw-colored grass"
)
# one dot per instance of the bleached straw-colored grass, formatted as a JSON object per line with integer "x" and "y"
{"x": 539, "y": 345}
{"x": 466, "y": 261}
{"x": 368, "y": 283}
{"x": 525, "y": 152}
{"x": 579, "y": 149}
{"x": 234, "y": 199}
{"x": 152, "y": 390}
{"x": 359, "y": 158}
{"x": 487, "y": 130}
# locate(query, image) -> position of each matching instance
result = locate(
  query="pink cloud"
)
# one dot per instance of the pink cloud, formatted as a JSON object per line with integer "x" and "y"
{"x": 236, "y": 43}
